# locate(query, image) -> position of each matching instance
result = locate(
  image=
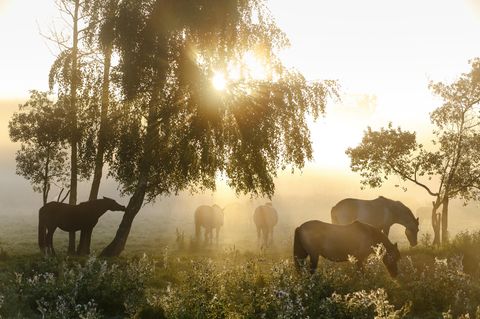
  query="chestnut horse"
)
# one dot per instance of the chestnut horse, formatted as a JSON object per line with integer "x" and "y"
{"x": 265, "y": 218}
{"x": 83, "y": 217}
{"x": 337, "y": 242}
{"x": 209, "y": 217}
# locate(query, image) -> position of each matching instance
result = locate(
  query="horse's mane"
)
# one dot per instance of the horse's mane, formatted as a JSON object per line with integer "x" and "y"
{"x": 405, "y": 210}
{"x": 91, "y": 203}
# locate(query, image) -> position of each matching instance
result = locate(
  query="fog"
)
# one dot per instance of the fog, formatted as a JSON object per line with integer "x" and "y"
{"x": 301, "y": 196}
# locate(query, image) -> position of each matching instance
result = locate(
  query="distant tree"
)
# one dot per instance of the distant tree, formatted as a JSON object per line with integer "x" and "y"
{"x": 39, "y": 128}
{"x": 177, "y": 132}
{"x": 451, "y": 169}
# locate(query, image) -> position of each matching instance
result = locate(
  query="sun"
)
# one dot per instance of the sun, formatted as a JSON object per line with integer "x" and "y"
{"x": 219, "y": 81}
{"x": 249, "y": 68}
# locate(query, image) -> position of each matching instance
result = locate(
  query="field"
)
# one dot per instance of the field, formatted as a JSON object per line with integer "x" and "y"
{"x": 161, "y": 275}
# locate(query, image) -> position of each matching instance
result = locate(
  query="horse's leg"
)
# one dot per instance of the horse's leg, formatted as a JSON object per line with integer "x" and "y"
{"x": 359, "y": 265}
{"x": 313, "y": 262}
{"x": 197, "y": 232}
{"x": 217, "y": 232}
{"x": 259, "y": 234}
{"x": 71, "y": 243}
{"x": 265, "y": 236}
{"x": 271, "y": 235}
{"x": 210, "y": 235}
{"x": 207, "y": 231}
{"x": 88, "y": 240}
{"x": 50, "y": 241}
{"x": 81, "y": 245}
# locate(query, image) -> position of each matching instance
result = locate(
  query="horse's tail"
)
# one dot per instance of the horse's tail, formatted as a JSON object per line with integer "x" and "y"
{"x": 42, "y": 229}
{"x": 298, "y": 251}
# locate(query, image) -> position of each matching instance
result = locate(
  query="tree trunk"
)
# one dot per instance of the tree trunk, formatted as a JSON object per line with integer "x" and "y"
{"x": 73, "y": 113}
{"x": 136, "y": 201}
{"x": 436, "y": 224}
{"x": 97, "y": 174}
{"x": 46, "y": 180}
{"x": 445, "y": 221}
{"x": 118, "y": 243}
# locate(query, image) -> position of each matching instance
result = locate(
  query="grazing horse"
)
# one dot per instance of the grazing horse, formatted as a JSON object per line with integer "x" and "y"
{"x": 381, "y": 213}
{"x": 265, "y": 218}
{"x": 209, "y": 217}
{"x": 83, "y": 216}
{"x": 337, "y": 242}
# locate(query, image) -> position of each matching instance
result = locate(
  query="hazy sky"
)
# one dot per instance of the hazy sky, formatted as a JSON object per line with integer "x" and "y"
{"x": 382, "y": 52}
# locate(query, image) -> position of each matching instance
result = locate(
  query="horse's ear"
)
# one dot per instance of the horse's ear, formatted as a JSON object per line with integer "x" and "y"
{"x": 418, "y": 220}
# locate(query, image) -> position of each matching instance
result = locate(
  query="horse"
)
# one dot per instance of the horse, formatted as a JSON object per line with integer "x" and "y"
{"x": 83, "y": 217}
{"x": 337, "y": 242}
{"x": 209, "y": 217}
{"x": 265, "y": 218}
{"x": 381, "y": 213}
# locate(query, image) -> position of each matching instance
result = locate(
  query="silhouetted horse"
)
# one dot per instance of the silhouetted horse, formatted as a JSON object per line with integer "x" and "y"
{"x": 337, "y": 242}
{"x": 381, "y": 213}
{"x": 83, "y": 216}
{"x": 209, "y": 217}
{"x": 265, "y": 218}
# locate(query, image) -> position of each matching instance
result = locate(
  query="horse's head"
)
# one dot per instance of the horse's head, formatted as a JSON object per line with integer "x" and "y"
{"x": 412, "y": 232}
{"x": 409, "y": 221}
{"x": 111, "y": 204}
{"x": 391, "y": 258}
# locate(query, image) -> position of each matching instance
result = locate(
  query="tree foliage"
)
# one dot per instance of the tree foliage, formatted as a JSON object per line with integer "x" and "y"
{"x": 451, "y": 167}
{"x": 169, "y": 51}
{"x": 40, "y": 128}
{"x": 176, "y": 131}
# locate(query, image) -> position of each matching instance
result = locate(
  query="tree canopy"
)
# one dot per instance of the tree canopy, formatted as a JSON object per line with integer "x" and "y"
{"x": 176, "y": 130}
{"x": 40, "y": 129}
{"x": 450, "y": 168}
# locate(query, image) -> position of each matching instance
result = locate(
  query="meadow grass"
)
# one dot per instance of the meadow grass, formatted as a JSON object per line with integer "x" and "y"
{"x": 161, "y": 275}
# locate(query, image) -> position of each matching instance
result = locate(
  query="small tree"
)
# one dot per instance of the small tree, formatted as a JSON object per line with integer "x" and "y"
{"x": 76, "y": 78}
{"x": 451, "y": 169}
{"x": 39, "y": 127}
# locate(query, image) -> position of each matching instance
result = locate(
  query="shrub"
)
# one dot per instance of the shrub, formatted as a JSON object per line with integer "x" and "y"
{"x": 72, "y": 290}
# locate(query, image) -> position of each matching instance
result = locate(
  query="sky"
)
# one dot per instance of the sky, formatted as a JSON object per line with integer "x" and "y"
{"x": 382, "y": 52}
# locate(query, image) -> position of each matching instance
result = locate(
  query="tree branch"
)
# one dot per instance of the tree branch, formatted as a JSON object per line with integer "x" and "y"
{"x": 413, "y": 180}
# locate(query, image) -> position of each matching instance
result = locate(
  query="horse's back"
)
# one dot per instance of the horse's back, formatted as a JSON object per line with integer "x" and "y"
{"x": 208, "y": 216}
{"x": 334, "y": 242}
{"x": 265, "y": 215}
{"x": 345, "y": 211}
{"x": 371, "y": 212}
{"x": 54, "y": 208}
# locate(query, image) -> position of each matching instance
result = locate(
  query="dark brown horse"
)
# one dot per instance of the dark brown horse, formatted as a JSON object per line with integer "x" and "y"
{"x": 337, "y": 242}
{"x": 83, "y": 217}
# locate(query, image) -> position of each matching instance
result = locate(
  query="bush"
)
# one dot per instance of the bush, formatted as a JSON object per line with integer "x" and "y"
{"x": 72, "y": 290}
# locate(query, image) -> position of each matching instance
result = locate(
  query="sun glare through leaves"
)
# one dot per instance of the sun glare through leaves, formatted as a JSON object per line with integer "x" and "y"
{"x": 219, "y": 82}
{"x": 249, "y": 68}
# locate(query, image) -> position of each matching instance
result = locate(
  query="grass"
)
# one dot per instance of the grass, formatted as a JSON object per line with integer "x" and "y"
{"x": 159, "y": 276}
